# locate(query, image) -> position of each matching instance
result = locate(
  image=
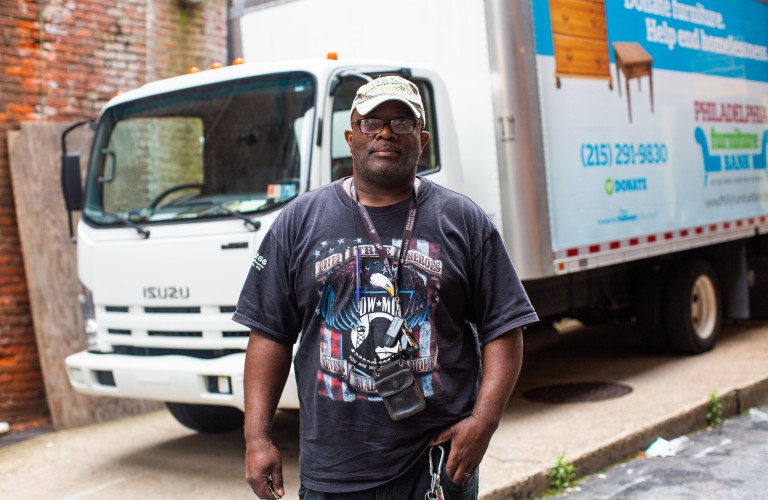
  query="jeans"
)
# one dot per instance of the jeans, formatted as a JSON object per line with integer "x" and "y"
{"x": 412, "y": 484}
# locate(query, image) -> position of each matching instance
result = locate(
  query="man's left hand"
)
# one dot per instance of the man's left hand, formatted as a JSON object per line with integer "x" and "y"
{"x": 469, "y": 439}
{"x": 502, "y": 359}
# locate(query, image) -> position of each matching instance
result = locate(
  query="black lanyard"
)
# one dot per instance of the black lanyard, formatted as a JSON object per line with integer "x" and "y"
{"x": 374, "y": 235}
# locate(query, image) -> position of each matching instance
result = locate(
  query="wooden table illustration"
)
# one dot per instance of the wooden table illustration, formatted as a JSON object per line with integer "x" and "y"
{"x": 634, "y": 62}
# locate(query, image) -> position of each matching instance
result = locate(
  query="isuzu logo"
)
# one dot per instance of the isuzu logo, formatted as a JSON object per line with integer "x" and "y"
{"x": 166, "y": 292}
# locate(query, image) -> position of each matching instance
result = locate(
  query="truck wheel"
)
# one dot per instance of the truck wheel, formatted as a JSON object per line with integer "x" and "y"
{"x": 207, "y": 418}
{"x": 692, "y": 307}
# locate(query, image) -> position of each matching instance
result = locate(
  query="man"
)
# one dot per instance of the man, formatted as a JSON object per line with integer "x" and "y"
{"x": 386, "y": 276}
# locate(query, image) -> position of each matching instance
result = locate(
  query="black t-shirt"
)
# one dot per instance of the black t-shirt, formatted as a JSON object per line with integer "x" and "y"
{"x": 304, "y": 278}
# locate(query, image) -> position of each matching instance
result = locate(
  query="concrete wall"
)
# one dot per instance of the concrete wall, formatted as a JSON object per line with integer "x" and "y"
{"x": 61, "y": 60}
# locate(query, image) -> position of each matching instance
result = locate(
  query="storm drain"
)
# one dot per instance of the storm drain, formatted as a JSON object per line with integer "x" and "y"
{"x": 578, "y": 392}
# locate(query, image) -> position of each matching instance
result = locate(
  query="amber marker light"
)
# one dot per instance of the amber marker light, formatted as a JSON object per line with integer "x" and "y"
{"x": 193, "y": 69}
{"x": 216, "y": 65}
{"x": 237, "y": 61}
{"x": 332, "y": 56}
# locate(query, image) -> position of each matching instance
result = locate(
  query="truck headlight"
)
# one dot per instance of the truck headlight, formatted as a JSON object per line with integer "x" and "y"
{"x": 85, "y": 297}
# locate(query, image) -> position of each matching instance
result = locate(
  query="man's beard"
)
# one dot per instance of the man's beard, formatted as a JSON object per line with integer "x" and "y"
{"x": 393, "y": 176}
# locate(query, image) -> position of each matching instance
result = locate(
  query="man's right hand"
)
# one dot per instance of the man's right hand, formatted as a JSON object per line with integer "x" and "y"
{"x": 262, "y": 462}
{"x": 267, "y": 364}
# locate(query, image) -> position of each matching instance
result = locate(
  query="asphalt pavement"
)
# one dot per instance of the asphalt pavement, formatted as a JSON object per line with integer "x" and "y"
{"x": 722, "y": 463}
{"x": 595, "y": 397}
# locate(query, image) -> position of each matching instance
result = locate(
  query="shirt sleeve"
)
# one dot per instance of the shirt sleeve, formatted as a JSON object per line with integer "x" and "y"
{"x": 499, "y": 301}
{"x": 267, "y": 302}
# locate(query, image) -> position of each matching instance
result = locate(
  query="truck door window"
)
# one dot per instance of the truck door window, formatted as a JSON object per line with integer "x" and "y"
{"x": 341, "y": 159}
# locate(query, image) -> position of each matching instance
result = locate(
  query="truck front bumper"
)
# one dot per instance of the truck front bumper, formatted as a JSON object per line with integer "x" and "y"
{"x": 175, "y": 378}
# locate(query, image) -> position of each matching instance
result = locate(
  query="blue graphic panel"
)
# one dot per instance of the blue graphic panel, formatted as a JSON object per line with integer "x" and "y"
{"x": 713, "y": 37}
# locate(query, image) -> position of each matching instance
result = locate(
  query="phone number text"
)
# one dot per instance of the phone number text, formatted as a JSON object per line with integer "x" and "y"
{"x": 607, "y": 155}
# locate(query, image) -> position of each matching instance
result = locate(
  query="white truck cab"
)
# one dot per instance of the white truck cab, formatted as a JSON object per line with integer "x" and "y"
{"x": 186, "y": 176}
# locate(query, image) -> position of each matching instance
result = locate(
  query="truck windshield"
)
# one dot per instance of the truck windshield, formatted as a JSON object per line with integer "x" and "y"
{"x": 211, "y": 151}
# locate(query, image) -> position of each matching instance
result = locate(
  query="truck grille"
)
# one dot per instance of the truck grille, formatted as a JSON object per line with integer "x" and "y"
{"x": 155, "y": 333}
{"x": 172, "y": 310}
{"x": 236, "y": 334}
{"x": 176, "y": 310}
{"x": 169, "y": 330}
{"x": 160, "y": 351}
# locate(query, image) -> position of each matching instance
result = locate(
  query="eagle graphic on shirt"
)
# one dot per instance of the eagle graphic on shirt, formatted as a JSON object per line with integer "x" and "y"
{"x": 353, "y": 338}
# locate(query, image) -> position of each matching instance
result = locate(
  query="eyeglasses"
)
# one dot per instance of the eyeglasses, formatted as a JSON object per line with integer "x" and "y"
{"x": 371, "y": 126}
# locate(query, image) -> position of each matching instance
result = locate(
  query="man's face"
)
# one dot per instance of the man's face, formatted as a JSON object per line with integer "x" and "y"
{"x": 386, "y": 159}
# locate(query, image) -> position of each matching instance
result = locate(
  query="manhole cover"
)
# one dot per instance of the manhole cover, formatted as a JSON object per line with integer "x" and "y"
{"x": 578, "y": 392}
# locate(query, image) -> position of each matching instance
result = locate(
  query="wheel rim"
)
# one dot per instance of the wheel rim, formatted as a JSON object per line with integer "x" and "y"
{"x": 703, "y": 307}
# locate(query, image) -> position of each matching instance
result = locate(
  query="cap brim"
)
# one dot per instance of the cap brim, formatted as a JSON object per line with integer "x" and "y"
{"x": 366, "y": 107}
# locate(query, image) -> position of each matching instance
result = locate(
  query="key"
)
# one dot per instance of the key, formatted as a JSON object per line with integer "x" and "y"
{"x": 436, "y": 493}
{"x": 271, "y": 491}
{"x": 408, "y": 334}
{"x": 392, "y": 332}
{"x": 278, "y": 497}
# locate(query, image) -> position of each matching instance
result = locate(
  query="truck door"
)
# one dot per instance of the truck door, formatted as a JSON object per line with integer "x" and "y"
{"x": 342, "y": 95}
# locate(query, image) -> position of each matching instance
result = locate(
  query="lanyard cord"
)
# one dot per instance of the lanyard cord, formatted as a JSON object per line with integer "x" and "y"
{"x": 374, "y": 235}
{"x": 376, "y": 239}
{"x": 358, "y": 290}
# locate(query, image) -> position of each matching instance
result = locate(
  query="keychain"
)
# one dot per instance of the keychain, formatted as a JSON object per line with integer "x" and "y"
{"x": 272, "y": 491}
{"x": 435, "y": 490}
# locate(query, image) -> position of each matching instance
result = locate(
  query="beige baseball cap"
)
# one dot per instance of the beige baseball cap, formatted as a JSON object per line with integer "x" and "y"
{"x": 388, "y": 88}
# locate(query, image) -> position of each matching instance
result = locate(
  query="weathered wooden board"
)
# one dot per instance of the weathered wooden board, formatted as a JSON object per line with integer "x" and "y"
{"x": 50, "y": 262}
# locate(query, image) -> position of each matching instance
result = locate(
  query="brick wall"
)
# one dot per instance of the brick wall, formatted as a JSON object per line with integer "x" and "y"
{"x": 62, "y": 64}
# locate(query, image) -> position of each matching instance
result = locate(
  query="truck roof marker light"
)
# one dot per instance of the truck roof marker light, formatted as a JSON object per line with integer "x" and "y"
{"x": 332, "y": 56}
{"x": 237, "y": 61}
{"x": 193, "y": 69}
{"x": 216, "y": 65}
{"x": 117, "y": 93}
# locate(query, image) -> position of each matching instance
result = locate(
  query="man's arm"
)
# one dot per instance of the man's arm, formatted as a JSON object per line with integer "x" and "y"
{"x": 502, "y": 360}
{"x": 267, "y": 365}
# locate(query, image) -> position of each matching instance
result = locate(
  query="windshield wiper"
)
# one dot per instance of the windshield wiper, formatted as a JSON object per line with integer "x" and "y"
{"x": 127, "y": 222}
{"x": 252, "y": 225}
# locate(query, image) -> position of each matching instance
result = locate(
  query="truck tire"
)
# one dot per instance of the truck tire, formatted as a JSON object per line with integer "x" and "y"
{"x": 207, "y": 419}
{"x": 692, "y": 307}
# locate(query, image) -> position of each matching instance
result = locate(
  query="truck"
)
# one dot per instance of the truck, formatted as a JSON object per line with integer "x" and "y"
{"x": 619, "y": 147}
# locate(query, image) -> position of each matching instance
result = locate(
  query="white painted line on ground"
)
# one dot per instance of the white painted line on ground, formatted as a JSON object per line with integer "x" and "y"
{"x": 626, "y": 487}
{"x": 94, "y": 489}
{"x": 707, "y": 451}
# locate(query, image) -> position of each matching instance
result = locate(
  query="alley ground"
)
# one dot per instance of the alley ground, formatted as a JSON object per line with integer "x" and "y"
{"x": 152, "y": 456}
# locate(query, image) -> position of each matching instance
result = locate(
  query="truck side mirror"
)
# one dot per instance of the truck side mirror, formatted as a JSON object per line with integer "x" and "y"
{"x": 71, "y": 183}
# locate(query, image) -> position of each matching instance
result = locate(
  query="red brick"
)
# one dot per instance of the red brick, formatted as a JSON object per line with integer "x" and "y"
{"x": 89, "y": 55}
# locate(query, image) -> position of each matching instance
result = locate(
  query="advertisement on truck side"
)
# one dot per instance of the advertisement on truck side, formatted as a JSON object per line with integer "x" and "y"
{"x": 655, "y": 116}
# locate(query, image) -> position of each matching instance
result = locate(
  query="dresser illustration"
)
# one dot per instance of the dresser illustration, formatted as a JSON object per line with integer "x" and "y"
{"x": 580, "y": 39}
